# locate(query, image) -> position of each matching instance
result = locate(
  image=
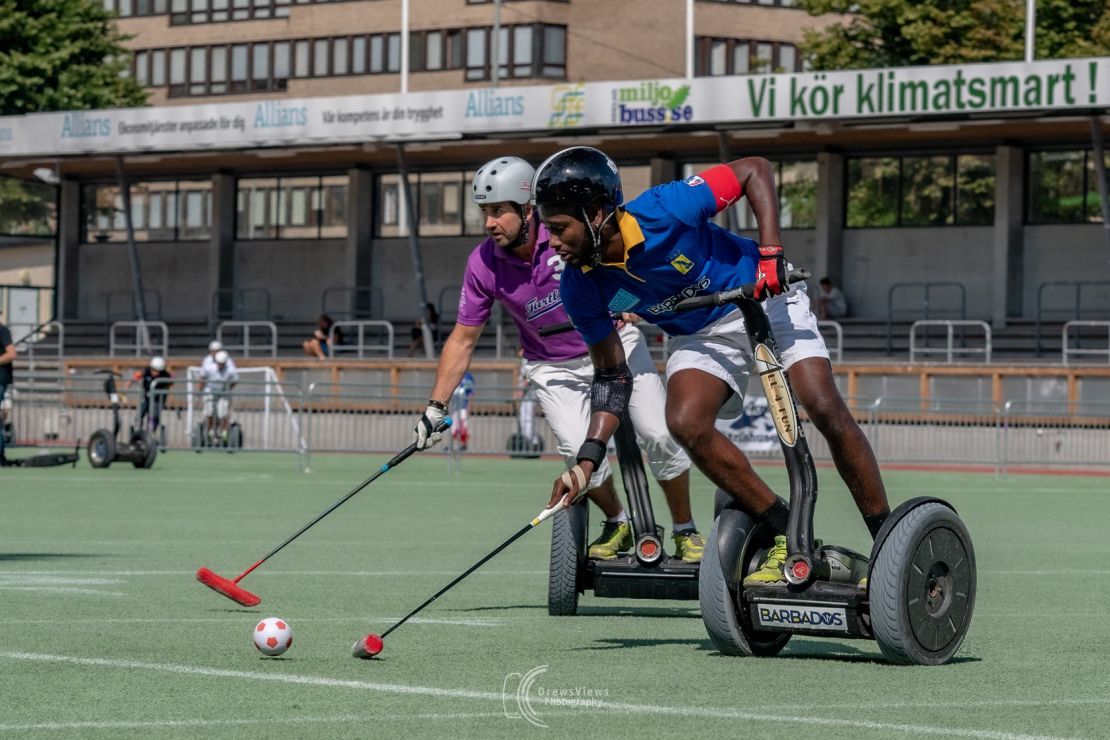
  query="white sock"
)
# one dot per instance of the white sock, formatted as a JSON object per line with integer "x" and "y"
{"x": 621, "y": 517}
{"x": 682, "y": 526}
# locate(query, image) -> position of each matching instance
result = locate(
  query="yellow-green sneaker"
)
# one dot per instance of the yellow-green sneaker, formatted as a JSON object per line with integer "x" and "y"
{"x": 770, "y": 570}
{"x": 689, "y": 545}
{"x": 615, "y": 536}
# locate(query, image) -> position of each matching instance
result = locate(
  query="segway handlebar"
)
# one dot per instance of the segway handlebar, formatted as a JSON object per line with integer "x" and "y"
{"x": 565, "y": 326}
{"x": 744, "y": 292}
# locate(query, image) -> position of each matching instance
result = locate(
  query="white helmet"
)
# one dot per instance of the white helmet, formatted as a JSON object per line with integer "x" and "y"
{"x": 505, "y": 179}
{"x": 215, "y": 346}
{"x": 157, "y": 364}
{"x": 221, "y": 357}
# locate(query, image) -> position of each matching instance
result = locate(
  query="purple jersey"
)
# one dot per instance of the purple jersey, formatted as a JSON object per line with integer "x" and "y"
{"x": 529, "y": 292}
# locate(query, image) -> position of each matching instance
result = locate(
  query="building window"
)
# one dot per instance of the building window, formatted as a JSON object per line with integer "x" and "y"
{"x": 931, "y": 190}
{"x": 27, "y": 208}
{"x": 1063, "y": 188}
{"x": 442, "y": 203}
{"x": 291, "y": 208}
{"x": 161, "y": 211}
{"x": 714, "y": 57}
{"x": 796, "y": 181}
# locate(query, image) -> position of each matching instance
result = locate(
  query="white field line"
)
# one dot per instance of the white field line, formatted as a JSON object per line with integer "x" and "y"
{"x": 640, "y": 709}
{"x": 51, "y": 579}
{"x": 461, "y": 621}
{"x": 62, "y": 590}
{"x": 172, "y": 723}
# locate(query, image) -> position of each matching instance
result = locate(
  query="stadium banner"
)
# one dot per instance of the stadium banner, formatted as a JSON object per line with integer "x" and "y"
{"x": 1054, "y": 86}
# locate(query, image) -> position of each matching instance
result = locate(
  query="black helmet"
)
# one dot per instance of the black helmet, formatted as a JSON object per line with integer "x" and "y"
{"x": 578, "y": 176}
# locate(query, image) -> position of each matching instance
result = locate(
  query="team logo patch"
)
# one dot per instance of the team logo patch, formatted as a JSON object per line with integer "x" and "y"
{"x": 829, "y": 619}
{"x": 694, "y": 180}
{"x": 622, "y": 301}
{"x": 682, "y": 263}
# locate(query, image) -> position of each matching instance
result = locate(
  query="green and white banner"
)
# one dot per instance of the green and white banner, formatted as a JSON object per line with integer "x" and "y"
{"x": 1060, "y": 86}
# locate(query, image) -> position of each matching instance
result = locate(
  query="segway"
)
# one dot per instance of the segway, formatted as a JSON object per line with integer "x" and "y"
{"x": 201, "y": 438}
{"x": 647, "y": 573}
{"x": 104, "y": 447}
{"x": 919, "y": 593}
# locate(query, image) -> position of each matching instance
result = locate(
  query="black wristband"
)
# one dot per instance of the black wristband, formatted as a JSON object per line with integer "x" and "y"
{"x": 593, "y": 450}
{"x": 436, "y": 404}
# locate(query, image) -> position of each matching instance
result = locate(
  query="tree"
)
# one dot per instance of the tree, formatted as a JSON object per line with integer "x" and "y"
{"x": 62, "y": 55}
{"x": 895, "y": 33}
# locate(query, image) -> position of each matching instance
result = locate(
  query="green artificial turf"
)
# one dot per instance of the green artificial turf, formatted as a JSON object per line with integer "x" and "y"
{"x": 105, "y": 633}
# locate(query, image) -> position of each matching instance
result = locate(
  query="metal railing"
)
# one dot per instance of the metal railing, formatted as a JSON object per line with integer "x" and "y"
{"x": 44, "y": 343}
{"x": 1077, "y": 308}
{"x": 359, "y": 345}
{"x": 352, "y": 302}
{"x": 837, "y": 352}
{"x": 243, "y": 345}
{"x": 950, "y": 350}
{"x": 143, "y": 343}
{"x": 1048, "y": 434}
{"x": 926, "y": 309}
{"x": 1066, "y": 350}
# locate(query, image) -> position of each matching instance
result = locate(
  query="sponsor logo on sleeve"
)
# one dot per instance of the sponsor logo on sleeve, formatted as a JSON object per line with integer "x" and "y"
{"x": 694, "y": 180}
{"x": 682, "y": 263}
{"x": 622, "y": 301}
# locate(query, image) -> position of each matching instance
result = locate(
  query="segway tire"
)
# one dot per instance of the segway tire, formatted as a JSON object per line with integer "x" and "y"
{"x": 568, "y": 561}
{"x": 145, "y": 442}
{"x": 101, "y": 448}
{"x": 922, "y": 587}
{"x": 719, "y": 577}
{"x": 235, "y": 436}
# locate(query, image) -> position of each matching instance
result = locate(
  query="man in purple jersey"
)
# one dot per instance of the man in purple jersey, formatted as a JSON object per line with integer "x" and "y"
{"x": 516, "y": 266}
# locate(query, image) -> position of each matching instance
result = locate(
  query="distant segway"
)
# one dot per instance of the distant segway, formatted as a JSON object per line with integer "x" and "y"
{"x": 201, "y": 438}
{"x": 647, "y": 573}
{"x": 104, "y": 446}
{"x": 919, "y": 593}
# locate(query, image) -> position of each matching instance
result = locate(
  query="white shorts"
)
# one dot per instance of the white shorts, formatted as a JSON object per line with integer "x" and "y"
{"x": 721, "y": 350}
{"x": 563, "y": 390}
{"x": 218, "y": 406}
{"x": 795, "y": 326}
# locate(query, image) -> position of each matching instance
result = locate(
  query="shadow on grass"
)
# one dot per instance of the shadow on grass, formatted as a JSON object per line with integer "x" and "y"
{"x": 657, "y": 612}
{"x": 15, "y": 557}
{"x": 624, "y": 643}
{"x": 803, "y": 649}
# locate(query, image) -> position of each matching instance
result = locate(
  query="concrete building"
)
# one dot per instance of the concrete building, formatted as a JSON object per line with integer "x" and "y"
{"x": 995, "y": 202}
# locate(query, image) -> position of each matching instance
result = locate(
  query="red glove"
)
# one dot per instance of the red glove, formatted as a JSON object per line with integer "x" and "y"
{"x": 771, "y": 277}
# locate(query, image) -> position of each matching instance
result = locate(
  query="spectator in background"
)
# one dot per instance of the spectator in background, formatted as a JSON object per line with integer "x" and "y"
{"x": 317, "y": 344}
{"x": 432, "y": 317}
{"x": 7, "y": 357}
{"x": 831, "y": 303}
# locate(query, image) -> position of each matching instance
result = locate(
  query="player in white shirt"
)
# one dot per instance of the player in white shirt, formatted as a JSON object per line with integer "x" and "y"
{"x": 216, "y": 381}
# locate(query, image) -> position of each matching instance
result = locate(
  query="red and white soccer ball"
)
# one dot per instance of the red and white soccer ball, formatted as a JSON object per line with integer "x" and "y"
{"x": 272, "y": 636}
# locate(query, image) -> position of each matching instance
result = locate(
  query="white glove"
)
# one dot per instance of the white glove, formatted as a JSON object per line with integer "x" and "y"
{"x": 425, "y": 434}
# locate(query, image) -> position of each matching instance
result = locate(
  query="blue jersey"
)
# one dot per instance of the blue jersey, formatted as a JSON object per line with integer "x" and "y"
{"x": 672, "y": 251}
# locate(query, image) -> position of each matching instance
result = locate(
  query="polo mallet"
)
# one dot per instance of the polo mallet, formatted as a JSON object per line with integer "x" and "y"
{"x": 231, "y": 588}
{"x": 372, "y": 644}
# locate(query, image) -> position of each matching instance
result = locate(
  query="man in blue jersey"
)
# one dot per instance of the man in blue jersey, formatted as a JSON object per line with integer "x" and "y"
{"x": 646, "y": 256}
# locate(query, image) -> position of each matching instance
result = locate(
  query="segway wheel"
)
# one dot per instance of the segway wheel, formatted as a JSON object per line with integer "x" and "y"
{"x": 101, "y": 449}
{"x": 922, "y": 587}
{"x": 568, "y": 561}
{"x": 727, "y": 554}
{"x": 235, "y": 436}
{"x": 144, "y": 442}
{"x": 200, "y": 439}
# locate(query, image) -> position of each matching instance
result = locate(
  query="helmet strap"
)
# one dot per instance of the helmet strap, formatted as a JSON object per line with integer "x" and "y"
{"x": 597, "y": 253}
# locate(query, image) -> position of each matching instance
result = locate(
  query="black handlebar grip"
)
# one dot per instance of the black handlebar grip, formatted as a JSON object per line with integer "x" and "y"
{"x": 547, "y": 331}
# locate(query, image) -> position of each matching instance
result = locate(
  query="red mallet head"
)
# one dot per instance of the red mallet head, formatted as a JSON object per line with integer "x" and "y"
{"x": 230, "y": 589}
{"x": 367, "y": 647}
